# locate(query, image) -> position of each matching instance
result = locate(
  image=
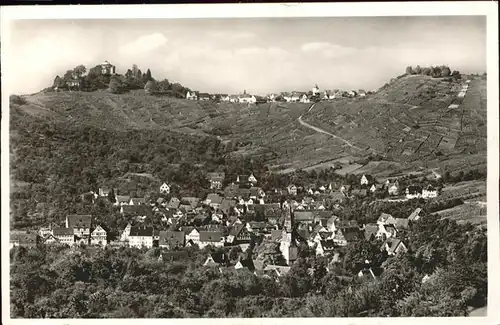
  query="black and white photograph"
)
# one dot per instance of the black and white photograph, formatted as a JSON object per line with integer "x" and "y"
{"x": 288, "y": 166}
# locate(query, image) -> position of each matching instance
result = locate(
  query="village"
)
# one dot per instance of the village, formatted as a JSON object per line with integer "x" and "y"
{"x": 311, "y": 96}
{"x": 239, "y": 215}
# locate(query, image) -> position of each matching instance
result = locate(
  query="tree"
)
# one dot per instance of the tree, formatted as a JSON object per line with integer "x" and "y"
{"x": 148, "y": 75}
{"x": 115, "y": 85}
{"x": 436, "y": 72}
{"x": 58, "y": 82}
{"x": 79, "y": 71}
{"x": 445, "y": 72}
{"x": 418, "y": 70}
{"x": 68, "y": 76}
{"x": 150, "y": 87}
{"x": 409, "y": 70}
{"x": 426, "y": 71}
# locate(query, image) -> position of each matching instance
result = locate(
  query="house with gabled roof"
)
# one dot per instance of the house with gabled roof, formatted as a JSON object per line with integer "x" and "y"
{"x": 216, "y": 259}
{"x": 247, "y": 98}
{"x": 192, "y": 234}
{"x": 171, "y": 239}
{"x": 51, "y": 239}
{"x": 305, "y": 216}
{"x": 216, "y": 179}
{"x": 277, "y": 270}
{"x": 125, "y": 233}
{"x": 190, "y": 200}
{"x": 366, "y": 180}
{"x": 429, "y": 192}
{"x": 80, "y": 224}
{"x": 141, "y": 236}
{"x": 214, "y": 200}
{"x": 211, "y": 238}
{"x": 385, "y": 218}
{"x": 64, "y": 235}
{"x": 107, "y": 68}
{"x": 105, "y": 191}
{"x": 394, "y": 246}
{"x": 328, "y": 94}
{"x": 142, "y": 211}
{"x": 413, "y": 192}
{"x": 173, "y": 203}
{"x": 99, "y": 236}
{"x": 325, "y": 247}
{"x": 165, "y": 188}
{"x": 256, "y": 192}
{"x": 292, "y": 189}
{"x": 393, "y": 188}
{"x": 367, "y": 274}
{"x": 122, "y": 200}
{"x": 192, "y": 95}
{"x": 386, "y": 231}
{"x": 227, "y": 205}
{"x": 415, "y": 215}
{"x": 245, "y": 264}
{"x": 137, "y": 201}
{"x": 238, "y": 234}
{"x": 24, "y": 239}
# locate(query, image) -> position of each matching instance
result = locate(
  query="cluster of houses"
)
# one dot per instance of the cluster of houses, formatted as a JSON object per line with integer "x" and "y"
{"x": 295, "y": 96}
{"x": 316, "y": 95}
{"x": 241, "y": 98}
{"x": 234, "y": 215}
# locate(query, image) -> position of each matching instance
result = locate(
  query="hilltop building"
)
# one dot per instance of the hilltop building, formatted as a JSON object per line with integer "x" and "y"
{"x": 315, "y": 90}
{"x": 107, "y": 68}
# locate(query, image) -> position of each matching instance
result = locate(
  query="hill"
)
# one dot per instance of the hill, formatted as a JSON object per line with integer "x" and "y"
{"x": 410, "y": 122}
{"x": 407, "y": 124}
{"x": 66, "y": 143}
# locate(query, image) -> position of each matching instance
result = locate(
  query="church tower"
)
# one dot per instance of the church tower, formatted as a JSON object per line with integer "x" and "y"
{"x": 288, "y": 245}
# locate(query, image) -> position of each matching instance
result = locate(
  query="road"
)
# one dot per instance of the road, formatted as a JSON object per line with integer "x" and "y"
{"x": 317, "y": 129}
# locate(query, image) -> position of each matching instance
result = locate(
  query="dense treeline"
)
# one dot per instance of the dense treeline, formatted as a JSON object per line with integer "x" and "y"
{"x": 442, "y": 71}
{"x": 133, "y": 283}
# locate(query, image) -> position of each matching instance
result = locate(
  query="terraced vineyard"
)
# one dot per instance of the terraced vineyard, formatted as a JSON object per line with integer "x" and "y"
{"x": 409, "y": 122}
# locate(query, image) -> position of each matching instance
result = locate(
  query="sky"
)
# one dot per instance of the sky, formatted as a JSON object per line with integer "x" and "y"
{"x": 259, "y": 55}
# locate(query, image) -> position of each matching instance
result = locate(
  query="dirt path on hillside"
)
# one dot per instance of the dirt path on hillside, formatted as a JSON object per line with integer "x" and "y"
{"x": 317, "y": 129}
